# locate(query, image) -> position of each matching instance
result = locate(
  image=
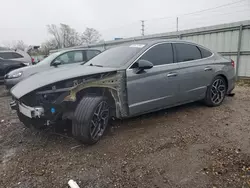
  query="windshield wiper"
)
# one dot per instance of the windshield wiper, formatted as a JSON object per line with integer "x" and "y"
{"x": 95, "y": 65}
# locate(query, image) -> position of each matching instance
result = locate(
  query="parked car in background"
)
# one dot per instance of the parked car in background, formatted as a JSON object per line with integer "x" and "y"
{"x": 17, "y": 55}
{"x": 122, "y": 82}
{"x": 54, "y": 61}
{"x": 7, "y": 65}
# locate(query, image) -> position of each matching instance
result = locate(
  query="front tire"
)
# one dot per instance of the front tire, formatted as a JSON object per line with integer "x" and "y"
{"x": 216, "y": 92}
{"x": 90, "y": 119}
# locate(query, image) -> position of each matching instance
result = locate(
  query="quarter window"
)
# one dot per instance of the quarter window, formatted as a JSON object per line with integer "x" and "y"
{"x": 160, "y": 54}
{"x": 16, "y": 55}
{"x": 205, "y": 53}
{"x": 187, "y": 52}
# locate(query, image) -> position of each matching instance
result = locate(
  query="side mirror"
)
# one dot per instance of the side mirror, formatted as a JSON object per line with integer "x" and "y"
{"x": 56, "y": 63}
{"x": 142, "y": 65}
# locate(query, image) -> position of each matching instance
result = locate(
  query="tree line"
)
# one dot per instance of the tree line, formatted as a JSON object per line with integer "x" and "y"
{"x": 61, "y": 36}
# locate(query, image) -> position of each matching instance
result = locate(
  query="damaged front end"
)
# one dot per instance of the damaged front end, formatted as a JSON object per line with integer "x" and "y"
{"x": 59, "y": 100}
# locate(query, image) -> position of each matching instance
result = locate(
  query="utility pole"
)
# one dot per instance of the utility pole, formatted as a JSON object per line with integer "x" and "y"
{"x": 142, "y": 27}
{"x": 177, "y": 24}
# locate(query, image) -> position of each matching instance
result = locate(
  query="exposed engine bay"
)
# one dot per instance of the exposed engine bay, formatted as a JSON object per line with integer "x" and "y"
{"x": 59, "y": 100}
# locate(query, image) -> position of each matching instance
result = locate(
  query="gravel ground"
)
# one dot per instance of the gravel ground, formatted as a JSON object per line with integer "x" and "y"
{"x": 186, "y": 146}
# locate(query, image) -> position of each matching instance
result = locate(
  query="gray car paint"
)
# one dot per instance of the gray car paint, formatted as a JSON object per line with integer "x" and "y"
{"x": 153, "y": 89}
{"x": 147, "y": 92}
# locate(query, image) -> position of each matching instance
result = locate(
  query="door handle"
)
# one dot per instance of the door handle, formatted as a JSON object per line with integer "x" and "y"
{"x": 208, "y": 69}
{"x": 172, "y": 74}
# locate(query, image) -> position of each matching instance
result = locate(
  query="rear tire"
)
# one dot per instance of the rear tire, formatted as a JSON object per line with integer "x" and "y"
{"x": 90, "y": 119}
{"x": 216, "y": 92}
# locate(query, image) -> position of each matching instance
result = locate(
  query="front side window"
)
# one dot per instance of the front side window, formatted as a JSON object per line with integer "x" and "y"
{"x": 70, "y": 57}
{"x": 187, "y": 52}
{"x": 159, "y": 55}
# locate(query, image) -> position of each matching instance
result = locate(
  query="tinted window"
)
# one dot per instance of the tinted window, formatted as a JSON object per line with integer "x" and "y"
{"x": 16, "y": 55}
{"x": 10, "y": 55}
{"x": 187, "y": 52}
{"x": 6, "y": 55}
{"x": 116, "y": 57}
{"x": 91, "y": 54}
{"x": 205, "y": 53}
{"x": 160, "y": 54}
{"x": 70, "y": 57}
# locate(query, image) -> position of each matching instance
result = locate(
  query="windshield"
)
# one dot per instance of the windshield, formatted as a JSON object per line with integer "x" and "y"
{"x": 115, "y": 57}
{"x": 50, "y": 58}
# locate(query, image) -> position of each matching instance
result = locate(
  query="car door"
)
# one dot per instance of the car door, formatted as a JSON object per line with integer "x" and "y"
{"x": 153, "y": 88}
{"x": 194, "y": 71}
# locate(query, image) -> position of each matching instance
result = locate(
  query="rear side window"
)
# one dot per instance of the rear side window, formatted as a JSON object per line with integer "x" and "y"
{"x": 205, "y": 53}
{"x": 160, "y": 54}
{"x": 16, "y": 55}
{"x": 187, "y": 52}
{"x": 10, "y": 55}
{"x": 91, "y": 53}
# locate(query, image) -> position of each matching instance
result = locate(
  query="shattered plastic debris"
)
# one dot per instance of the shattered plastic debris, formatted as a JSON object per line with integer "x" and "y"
{"x": 73, "y": 184}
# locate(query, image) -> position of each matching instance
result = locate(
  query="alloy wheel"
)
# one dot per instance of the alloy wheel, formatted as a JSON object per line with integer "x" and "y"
{"x": 99, "y": 120}
{"x": 218, "y": 91}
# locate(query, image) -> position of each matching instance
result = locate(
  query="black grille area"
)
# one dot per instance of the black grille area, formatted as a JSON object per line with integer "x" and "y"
{"x": 29, "y": 100}
{"x": 35, "y": 99}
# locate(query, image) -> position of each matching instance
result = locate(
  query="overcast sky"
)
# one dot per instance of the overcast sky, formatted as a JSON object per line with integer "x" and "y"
{"x": 27, "y": 19}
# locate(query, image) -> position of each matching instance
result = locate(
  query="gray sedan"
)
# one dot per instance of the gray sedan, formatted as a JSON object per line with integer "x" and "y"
{"x": 122, "y": 82}
{"x": 55, "y": 60}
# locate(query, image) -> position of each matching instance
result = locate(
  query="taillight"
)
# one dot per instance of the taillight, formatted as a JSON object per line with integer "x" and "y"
{"x": 233, "y": 64}
{"x": 32, "y": 59}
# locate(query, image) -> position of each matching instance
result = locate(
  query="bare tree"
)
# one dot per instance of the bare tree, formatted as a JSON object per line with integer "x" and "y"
{"x": 63, "y": 36}
{"x": 90, "y": 35}
{"x": 47, "y": 46}
{"x": 20, "y": 45}
{"x": 55, "y": 32}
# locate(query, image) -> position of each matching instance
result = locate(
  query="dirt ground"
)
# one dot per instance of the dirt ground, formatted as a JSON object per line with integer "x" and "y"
{"x": 186, "y": 146}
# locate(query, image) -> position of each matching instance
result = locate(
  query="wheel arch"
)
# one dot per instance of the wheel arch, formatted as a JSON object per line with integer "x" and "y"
{"x": 99, "y": 91}
{"x": 112, "y": 85}
{"x": 223, "y": 76}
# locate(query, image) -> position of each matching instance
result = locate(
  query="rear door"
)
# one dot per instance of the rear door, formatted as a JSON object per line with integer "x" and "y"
{"x": 195, "y": 71}
{"x": 153, "y": 88}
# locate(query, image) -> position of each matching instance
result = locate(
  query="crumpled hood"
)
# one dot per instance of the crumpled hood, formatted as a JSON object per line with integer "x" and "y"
{"x": 55, "y": 75}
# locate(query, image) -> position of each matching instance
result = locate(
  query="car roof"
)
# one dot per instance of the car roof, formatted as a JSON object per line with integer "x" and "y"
{"x": 77, "y": 49}
{"x": 9, "y": 50}
{"x": 150, "y": 42}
